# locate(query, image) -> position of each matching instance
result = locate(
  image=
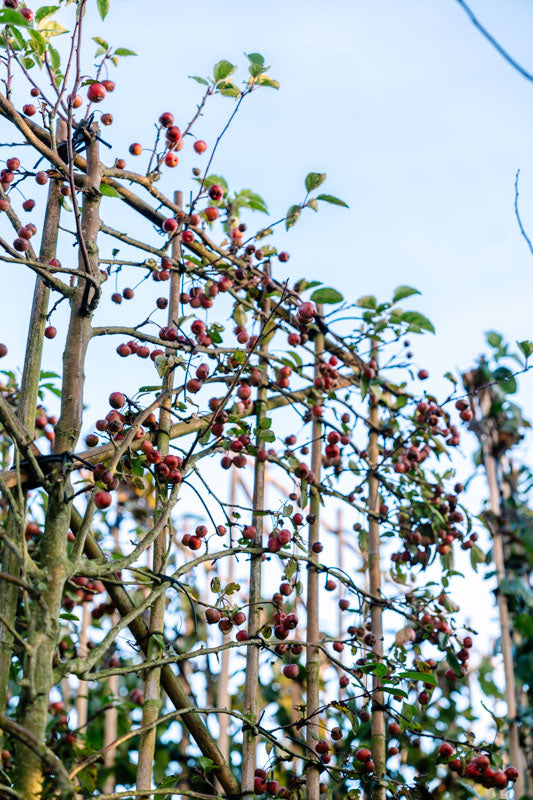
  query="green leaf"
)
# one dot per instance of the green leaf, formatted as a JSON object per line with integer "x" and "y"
{"x": 367, "y": 301}
{"x": 45, "y": 11}
{"x": 394, "y": 690}
{"x": 248, "y": 199}
{"x": 326, "y": 295}
{"x": 414, "y": 675}
{"x": 417, "y": 322}
{"x": 199, "y": 80}
{"x": 206, "y": 763}
{"x": 123, "y": 51}
{"x": 256, "y": 70}
{"x": 222, "y": 70}
{"x": 168, "y": 783}
{"x": 256, "y": 58}
{"x": 453, "y": 662}
{"x": 293, "y": 215}
{"x": 265, "y": 80}
{"x": 38, "y": 42}
{"x": 19, "y": 43}
{"x": 55, "y": 58}
{"x": 526, "y": 347}
{"x": 290, "y": 568}
{"x": 8, "y": 16}
{"x": 506, "y": 379}
{"x": 494, "y": 338}
{"x": 403, "y": 291}
{"x": 108, "y": 191}
{"x": 330, "y": 198}
{"x": 477, "y": 556}
{"x": 228, "y": 89}
{"x": 49, "y": 27}
{"x": 103, "y": 7}
{"x": 314, "y": 179}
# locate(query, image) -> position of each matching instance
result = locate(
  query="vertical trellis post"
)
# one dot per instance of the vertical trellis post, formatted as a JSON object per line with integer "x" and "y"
{"x": 340, "y": 564}
{"x": 110, "y": 726}
{"x": 491, "y": 471}
{"x": 152, "y": 685}
{"x": 313, "y": 653}
{"x": 251, "y": 685}
{"x": 223, "y": 696}
{"x": 379, "y": 743}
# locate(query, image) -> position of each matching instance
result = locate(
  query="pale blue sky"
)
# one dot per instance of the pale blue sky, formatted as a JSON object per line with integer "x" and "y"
{"x": 418, "y": 122}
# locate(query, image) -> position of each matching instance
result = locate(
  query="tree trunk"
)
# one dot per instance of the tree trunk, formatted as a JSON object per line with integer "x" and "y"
{"x": 43, "y": 616}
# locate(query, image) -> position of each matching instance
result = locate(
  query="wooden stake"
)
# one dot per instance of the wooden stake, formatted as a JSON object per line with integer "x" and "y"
{"x": 152, "y": 684}
{"x": 313, "y": 653}
{"x": 251, "y": 685}
{"x": 491, "y": 471}
{"x": 379, "y": 743}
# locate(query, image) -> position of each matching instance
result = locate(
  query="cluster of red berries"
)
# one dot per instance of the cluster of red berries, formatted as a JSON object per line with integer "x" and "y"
{"x": 464, "y": 410}
{"x": 417, "y": 541}
{"x": 84, "y": 593}
{"x": 44, "y": 424}
{"x": 333, "y": 452}
{"x": 198, "y": 298}
{"x": 479, "y": 769}
{"x": 278, "y": 539}
{"x": 226, "y": 621}
{"x": 241, "y": 443}
{"x": 58, "y": 712}
{"x": 264, "y": 786}
{"x": 194, "y": 541}
{"x": 97, "y": 92}
{"x": 364, "y": 756}
{"x": 429, "y": 415}
{"x": 141, "y": 350}
{"x": 328, "y": 376}
{"x": 101, "y": 610}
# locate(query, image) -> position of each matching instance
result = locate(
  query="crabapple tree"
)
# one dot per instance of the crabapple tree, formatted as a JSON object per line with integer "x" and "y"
{"x": 158, "y": 637}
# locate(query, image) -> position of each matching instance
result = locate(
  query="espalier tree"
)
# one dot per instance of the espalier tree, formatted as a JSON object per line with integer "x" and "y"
{"x": 119, "y": 611}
